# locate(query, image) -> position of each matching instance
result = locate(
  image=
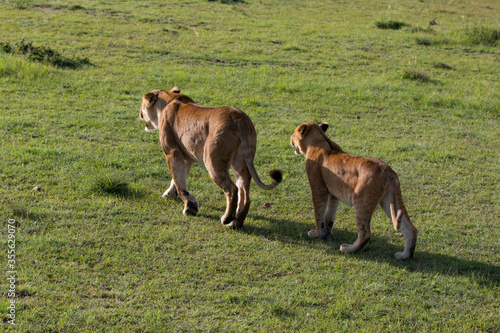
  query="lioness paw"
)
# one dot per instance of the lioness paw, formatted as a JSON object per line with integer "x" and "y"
{"x": 346, "y": 248}
{"x": 171, "y": 194}
{"x": 234, "y": 224}
{"x": 402, "y": 256}
{"x": 191, "y": 209}
{"x": 227, "y": 220}
{"x": 317, "y": 234}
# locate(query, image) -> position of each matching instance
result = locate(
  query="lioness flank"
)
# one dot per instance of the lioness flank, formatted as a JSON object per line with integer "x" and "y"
{"x": 356, "y": 181}
{"x": 218, "y": 137}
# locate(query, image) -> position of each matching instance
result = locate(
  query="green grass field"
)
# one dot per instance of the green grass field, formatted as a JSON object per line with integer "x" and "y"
{"x": 97, "y": 249}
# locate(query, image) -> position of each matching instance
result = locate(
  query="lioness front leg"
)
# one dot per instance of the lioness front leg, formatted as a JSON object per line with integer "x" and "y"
{"x": 320, "y": 203}
{"x": 363, "y": 219}
{"x": 178, "y": 166}
{"x": 331, "y": 212}
{"x": 171, "y": 192}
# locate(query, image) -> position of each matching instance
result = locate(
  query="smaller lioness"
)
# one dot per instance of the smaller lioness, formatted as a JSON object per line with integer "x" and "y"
{"x": 363, "y": 183}
{"x": 220, "y": 138}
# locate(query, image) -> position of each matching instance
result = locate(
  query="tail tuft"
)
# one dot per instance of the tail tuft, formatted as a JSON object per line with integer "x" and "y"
{"x": 276, "y": 175}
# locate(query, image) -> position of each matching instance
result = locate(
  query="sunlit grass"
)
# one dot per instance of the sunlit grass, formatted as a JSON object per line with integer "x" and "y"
{"x": 99, "y": 249}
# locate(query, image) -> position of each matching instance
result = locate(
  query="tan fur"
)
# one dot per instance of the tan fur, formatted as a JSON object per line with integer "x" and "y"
{"x": 360, "y": 182}
{"x": 218, "y": 137}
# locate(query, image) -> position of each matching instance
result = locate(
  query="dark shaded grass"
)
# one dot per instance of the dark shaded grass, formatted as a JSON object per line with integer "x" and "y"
{"x": 106, "y": 185}
{"x": 228, "y": 1}
{"x": 390, "y": 25}
{"x": 483, "y": 36}
{"x": 43, "y": 54}
{"x": 442, "y": 65}
{"x": 414, "y": 75}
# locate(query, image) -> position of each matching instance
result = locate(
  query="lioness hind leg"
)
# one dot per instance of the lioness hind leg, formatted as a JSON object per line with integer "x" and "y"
{"x": 407, "y": 229}
{"x": 243, "y": 179}
{"x": 220, "y": 148}
{"x": 410, "y": 233}
{"x": 223, "y": 180}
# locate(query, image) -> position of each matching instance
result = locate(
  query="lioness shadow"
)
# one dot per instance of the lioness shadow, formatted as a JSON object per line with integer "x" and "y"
{"x": 379, "y": 250}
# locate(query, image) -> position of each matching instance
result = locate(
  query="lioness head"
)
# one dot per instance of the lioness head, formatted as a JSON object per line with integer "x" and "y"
{"x": 306, "y": 134}
{"x": 150, "y": 106}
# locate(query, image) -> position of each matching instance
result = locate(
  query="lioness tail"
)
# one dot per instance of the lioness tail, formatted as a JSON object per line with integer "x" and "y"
{"x": 396, "y": 212}
{"x": 275, "y": 174}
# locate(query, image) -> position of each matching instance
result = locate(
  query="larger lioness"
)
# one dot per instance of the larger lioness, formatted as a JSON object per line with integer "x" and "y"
{"x": 360, "y": 182}
{"x": 218, "y": 137}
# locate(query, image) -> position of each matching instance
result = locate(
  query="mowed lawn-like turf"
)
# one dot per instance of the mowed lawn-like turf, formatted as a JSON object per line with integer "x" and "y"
{"x": 97, "y": 249}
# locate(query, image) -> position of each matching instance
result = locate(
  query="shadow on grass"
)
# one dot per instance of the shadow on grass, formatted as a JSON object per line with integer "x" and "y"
{"x": 106, "y": 185}
{"x": 379, "y": 250}
{"x": 43, "y": 54}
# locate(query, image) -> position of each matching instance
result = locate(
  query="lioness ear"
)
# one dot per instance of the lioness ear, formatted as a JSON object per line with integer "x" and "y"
{"x": 324, "y": 126}
{"x": 151, "y": 98}
{"x": 303, "y": 129}
{"x": 175, "y": 90}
